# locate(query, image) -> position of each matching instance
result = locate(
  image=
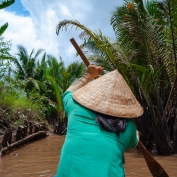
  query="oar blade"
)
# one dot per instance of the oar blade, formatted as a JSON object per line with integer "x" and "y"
{"x": 155, "y": 168}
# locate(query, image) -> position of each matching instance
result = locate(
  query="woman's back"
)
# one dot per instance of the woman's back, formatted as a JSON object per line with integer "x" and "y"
{"x": 88, "y": 150}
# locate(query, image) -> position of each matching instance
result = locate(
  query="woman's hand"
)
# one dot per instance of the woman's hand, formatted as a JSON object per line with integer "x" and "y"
{"x": 94, "y": 70}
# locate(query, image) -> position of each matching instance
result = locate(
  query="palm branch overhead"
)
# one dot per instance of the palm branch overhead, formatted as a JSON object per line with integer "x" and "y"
{"x": 102, "y": 43}
{"x": 6, "y": 3}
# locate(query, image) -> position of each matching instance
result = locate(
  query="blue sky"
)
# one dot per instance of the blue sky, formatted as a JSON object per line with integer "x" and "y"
{"x": 18, "y": 8}
{"x": 32, "y": 23}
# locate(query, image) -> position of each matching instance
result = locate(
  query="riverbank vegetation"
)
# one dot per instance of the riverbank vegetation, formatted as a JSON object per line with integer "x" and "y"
{"x": 144, "y": 52}
{"x": 34, "y": 84}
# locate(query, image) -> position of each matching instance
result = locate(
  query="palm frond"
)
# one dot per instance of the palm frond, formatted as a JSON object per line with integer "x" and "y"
{"x": 171, "y": 9}
{"x": 101, "y": 41}
{"x": 38, "y": 53}
{"x": 34, "y": 82}
{"x": 57, "y": 93}
{"x": 23, "y": 54}
{"x": 19, "y": 68}
{"x": 3, "y": 28}
{"x": 6, "y": 3}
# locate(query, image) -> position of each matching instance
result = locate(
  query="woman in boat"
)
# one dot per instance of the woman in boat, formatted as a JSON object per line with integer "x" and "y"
{"x": 100, "y": 125}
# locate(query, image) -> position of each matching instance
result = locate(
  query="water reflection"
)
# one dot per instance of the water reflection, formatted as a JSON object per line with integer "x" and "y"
{"x": 41, "y": 158}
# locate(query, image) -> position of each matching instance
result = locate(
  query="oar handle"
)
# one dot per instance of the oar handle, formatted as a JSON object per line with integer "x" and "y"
{"x": 79, "y": 51}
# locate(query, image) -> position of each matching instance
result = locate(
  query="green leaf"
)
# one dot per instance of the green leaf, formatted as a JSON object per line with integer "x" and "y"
{"x": 3, "y": 28}
{"x": 57, "y": 93}
{"x": 34, "y": 82}
{"x": 6, "y": 3}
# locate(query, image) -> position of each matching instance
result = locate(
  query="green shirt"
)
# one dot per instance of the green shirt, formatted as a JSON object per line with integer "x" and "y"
{"x": 88, "y": 150}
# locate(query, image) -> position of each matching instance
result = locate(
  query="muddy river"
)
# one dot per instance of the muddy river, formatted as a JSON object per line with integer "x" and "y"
{"x": 40, "y": 158}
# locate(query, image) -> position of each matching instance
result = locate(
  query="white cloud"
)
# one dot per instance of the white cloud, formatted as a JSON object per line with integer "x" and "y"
{"x": 39, "y": 29}
{"x": 21, "y": 29}
{"x": 65, "y": 11}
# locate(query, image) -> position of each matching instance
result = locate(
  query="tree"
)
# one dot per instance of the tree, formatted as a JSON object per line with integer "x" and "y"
{"x": 152, "y": 67}
{"x": 25, "y": 63}
{"x": 4, "y": 51}
{"x": 59, "y": 79}
{"x": 4, "y": 46}
{"x": 144, "y": 53}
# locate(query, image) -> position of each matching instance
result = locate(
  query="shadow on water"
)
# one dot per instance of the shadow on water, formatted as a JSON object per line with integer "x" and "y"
{"x": 41, "y": 158}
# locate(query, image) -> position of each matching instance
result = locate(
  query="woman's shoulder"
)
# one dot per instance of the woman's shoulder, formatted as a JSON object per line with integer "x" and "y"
{"x": 130, "y": 123}
{"x": 67, "y": 93}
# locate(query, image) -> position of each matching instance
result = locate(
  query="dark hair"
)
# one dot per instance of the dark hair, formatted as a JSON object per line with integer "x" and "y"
{"x": 110, "y": 123}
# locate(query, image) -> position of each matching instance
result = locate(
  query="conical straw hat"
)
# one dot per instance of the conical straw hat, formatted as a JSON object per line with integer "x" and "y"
{"x": 110, "y": 95}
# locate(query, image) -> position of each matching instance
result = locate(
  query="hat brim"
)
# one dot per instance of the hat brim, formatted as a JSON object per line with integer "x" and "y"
{"x": 110, "y": 95}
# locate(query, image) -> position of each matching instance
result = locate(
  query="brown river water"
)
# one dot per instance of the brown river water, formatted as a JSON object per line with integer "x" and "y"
{"x": 40, "y": 158}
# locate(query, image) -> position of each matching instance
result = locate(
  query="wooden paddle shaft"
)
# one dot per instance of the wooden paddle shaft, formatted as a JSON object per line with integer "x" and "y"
{"x": 79, "y": 51}
{"x": 154, "y": 167}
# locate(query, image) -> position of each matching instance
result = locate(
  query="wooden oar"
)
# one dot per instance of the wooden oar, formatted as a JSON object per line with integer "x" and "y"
{"x": 155, "y": 168}
{"x": 79, "y": 51}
